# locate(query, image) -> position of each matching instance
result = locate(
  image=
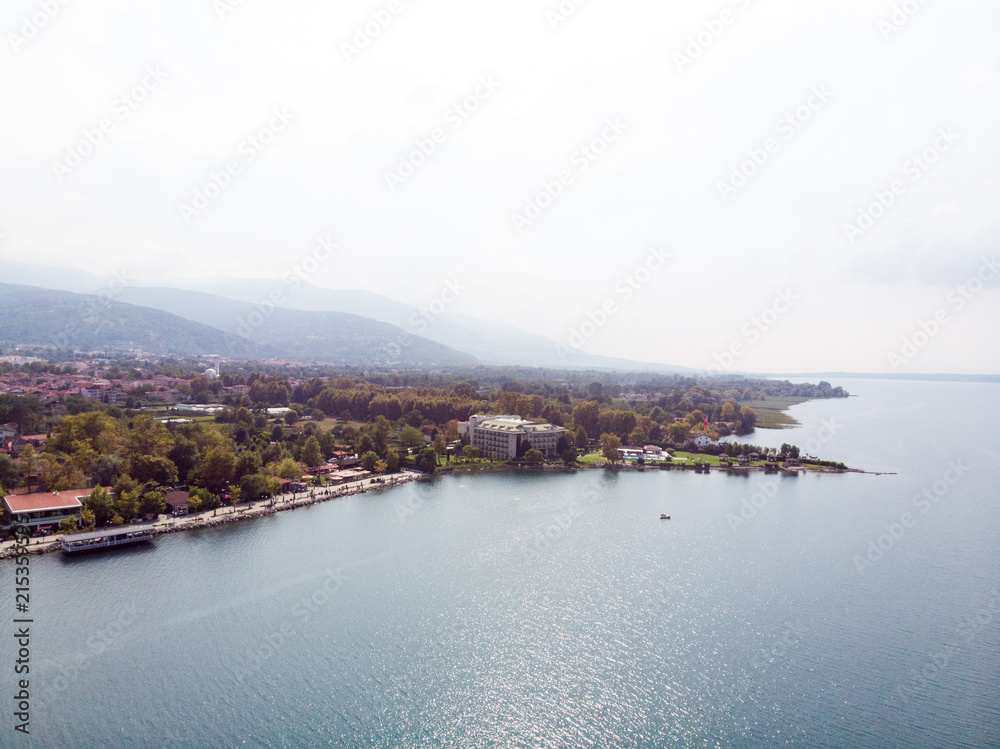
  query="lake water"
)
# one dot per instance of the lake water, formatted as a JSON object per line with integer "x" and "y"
{"x": 547, "y": 611}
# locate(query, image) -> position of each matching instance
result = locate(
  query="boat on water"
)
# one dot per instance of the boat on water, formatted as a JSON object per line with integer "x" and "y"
{"x": 664, "y": 517}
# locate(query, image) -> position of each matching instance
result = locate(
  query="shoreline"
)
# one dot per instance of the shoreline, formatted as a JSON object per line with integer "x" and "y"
{"x": 285, "y": 503}
{"x": 227, "y": 515}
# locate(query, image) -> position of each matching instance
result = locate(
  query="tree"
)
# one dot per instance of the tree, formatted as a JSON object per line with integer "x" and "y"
{"x": 534, "y": 457}
{"x": 151, "y": 503}
{"x": 637, "y": 437}
{"x": 380, "y": 466}
{"x": 215, "y": 469}
{"x": 146, "y": 468}
{"x": 440, "y": 445}
{"x": 609, "y": 447}
{"x": 380, "y": 429}
{"x": 184, "y": 455}
{"x": 194, "y": 503}
{"x": 87, "y": 518}
{"x": 9, "y": 476}
{"x": 580, "y": 438}
{"x": 411, "y": 437}
{"x": 255, "y": 485}
{"x": 585, "y": 416}
{"x": 126, "y": 504}
{"x": 568, "y": 456}
{"x": 427, "y": 460}
{"x": 678, "y": 431}
{"x": 365, "y": 444}
{"x": 392, "y": 462}
{"x": 289, "y": 469}
{"x": 100, "y": 505}
{"x": 29, "y": 463}
{"x": 68, "y": 525}
{"x": 148, "y": 436}
{"x": 451, "y": 430}
{"x": 312, "y": 455}
{"x": 369, "y": 459}
{"x": 247, "y": 463}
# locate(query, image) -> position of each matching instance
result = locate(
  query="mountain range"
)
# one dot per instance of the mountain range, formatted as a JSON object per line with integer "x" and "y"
{"x": 260, "y": 318}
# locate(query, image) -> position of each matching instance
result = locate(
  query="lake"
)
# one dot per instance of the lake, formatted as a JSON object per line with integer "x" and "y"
{"x": 526, "y": 610}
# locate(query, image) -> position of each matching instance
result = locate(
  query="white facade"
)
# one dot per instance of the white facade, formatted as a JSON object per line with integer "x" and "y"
{"x": 501, "y": 437}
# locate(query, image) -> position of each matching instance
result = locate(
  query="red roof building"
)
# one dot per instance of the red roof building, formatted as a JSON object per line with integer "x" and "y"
{"x": 44, "y": 509}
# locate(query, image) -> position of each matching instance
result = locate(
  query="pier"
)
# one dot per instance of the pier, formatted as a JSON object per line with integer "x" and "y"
{"x": 107, "y": 538}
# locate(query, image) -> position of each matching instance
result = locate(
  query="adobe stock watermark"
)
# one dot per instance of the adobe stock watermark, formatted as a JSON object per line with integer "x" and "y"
{"x": 324, "y": 249}
{"x": 454, "y": 117}
{"x": 923, "y": 502}
{"x": 711, "y": 31}
{"x": 937, "y": 661}
{"x": 547, "y": 535}
{"x": 79, "y": 664}
{"x": 580, "y": 160}
{"x": 88, "y": 307}
{"x": 307, "y": 605}
{"x": 624, "y": 289}
{"x": 224, "y": 7}
{"x": 561, "y": 12}
{"x": 915, "y": 167}
{"x": 369, "y": 30}
{"x": 959, "y": 296}
{"x": 753, "y": 330}
{"x": 425, "y": 316}
{"x": 783, "y": 645}
{"x": 249, "y": 149}
{"x": 121, "y": 108}
{"x": 786, "y": 127}
{"x": 552, "y": 532}
{"x": 751, "y": 506}
{"x": 31, "y": 26}
{"x": 900, "y": 16}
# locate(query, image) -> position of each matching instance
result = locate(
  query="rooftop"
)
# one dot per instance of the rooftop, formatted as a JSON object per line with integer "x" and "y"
{"x": 46, "y": 501}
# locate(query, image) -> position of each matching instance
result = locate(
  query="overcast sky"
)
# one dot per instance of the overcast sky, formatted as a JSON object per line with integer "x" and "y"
{"x": 741, "y": 138}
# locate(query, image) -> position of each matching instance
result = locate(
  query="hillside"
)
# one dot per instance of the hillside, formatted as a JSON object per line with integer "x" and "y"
{"x": 41, "y": 317}
{"x": 209, "y": 324}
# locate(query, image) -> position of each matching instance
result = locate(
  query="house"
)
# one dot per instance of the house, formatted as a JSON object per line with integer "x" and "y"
{"x": 652, "y": 450}
{"x": 754, "y": 456}
{"x": 723, "y": 457}
{"x": 177, "y": 502}
{"x": 44, "y": 510}
{"x": 702, "y": 440}
{"x": 743, "y": 460}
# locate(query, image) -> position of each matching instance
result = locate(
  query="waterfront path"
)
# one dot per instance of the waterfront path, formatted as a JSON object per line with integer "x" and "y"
{"x": 227, "y": 514}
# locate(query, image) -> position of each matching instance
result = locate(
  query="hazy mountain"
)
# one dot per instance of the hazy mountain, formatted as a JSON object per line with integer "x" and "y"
{"x": 42, "y": 317}
{"x": 490, "y": 342}
{"x": 487, "y": 341}
{"x": 209, "y": 324}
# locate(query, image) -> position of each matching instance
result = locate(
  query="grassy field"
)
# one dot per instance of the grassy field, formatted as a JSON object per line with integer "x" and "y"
{"x": 771, "y": 412}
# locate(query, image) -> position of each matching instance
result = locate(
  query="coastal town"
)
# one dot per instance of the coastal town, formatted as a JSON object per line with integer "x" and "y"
{"x": 92, "y": 449}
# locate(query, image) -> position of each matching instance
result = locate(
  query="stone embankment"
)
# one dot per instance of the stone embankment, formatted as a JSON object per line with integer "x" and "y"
{"x": 226, "y": 515}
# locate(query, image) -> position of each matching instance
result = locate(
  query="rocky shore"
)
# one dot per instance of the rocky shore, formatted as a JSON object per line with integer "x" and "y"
{"x": 227, "y": 515}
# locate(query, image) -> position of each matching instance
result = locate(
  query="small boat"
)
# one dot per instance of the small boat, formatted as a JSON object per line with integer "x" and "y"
{"x": 664, "y": 517}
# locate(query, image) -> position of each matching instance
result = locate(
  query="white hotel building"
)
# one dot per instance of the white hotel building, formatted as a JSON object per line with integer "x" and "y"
{"x": 501, "y": 437}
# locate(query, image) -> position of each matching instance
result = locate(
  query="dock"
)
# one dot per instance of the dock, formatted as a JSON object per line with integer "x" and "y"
{"x": 107, "y": 538}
